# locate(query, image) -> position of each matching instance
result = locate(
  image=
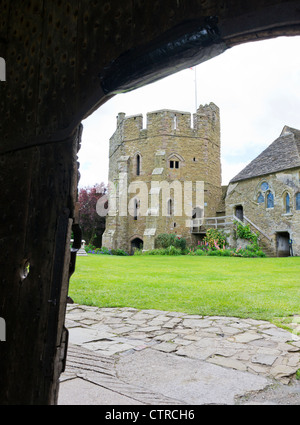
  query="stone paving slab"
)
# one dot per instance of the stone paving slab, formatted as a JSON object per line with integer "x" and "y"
{"x": 124, "y": 335}
{"x": 242, "y": 344}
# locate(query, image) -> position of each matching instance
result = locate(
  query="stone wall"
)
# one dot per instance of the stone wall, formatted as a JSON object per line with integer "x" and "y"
{"x": 168, "y": 136}
{"x": 274, "y": 220}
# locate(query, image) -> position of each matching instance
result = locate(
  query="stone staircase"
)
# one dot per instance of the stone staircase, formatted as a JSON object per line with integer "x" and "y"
{"x": 264, "y": 241}
{"x": 267, "y": 248}
{"x": 226, "y": 223}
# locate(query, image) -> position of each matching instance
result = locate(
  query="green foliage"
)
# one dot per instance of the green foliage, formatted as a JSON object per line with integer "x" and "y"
{"x": 243, "y": 231}
{"x": 91, "y": 249}
{"x": 171, "y": 250}
{"x": 166, "y": 240}
{"x": 138, "y": 252}
{"x": 215, "y": 239}
{"x": 251, "y": 251}
{"x": 118, "y": 252}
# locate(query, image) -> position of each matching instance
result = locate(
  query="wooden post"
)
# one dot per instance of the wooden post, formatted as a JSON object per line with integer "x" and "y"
{"x": 37, "y": 213}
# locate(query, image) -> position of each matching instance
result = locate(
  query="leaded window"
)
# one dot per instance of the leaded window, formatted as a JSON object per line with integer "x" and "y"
{"x": 287, "y": 204}
{"x": 270, "y": 200}
{"x": 260, "y": 198}
{"x": 298, "y": 201}
{"x": 264, "y": 186}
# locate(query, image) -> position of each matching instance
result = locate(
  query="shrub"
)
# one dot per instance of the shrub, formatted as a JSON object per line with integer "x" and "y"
{"x": 244, "y": 232}
{"x": 118, "y": 252}
{"x": 215, "y": 239}
{"x": 199, "y": 252}
{"x": 251, "y": 251}
{"x": 171, "y": 250}
{"x": 156, "y": 251}
{"x": 104, "y": 251}
{"x": 138, "y": 252}
{"x": 89, "y": 248}
{"x": 165, "y": 240}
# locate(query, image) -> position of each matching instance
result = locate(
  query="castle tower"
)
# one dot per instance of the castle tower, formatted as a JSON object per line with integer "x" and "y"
{"x": 162, "y": 176}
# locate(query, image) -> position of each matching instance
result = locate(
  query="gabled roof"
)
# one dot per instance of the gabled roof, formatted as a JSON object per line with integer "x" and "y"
{"x": 282, "y": 154}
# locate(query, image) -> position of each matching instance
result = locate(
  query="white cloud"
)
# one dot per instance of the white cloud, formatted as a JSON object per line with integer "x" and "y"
{"x": 255, "y": 85}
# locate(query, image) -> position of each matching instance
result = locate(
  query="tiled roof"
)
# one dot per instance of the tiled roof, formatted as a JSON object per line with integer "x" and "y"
{"x": 282, "y": 154}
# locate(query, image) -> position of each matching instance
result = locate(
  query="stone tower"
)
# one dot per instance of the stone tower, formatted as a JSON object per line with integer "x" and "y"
{"x": 162, "y": 176}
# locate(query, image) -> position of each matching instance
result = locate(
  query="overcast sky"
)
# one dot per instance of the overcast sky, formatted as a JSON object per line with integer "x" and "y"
{"x": 255, "y": 85}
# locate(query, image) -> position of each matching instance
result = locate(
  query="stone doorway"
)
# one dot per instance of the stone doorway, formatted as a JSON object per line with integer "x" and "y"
{"x": 239, "y": 212}
{"x": 283, "y": 244}
{"x": 136, "y": 243}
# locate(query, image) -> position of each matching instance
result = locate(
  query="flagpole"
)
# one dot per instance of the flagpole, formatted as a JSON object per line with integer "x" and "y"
{"x": 196, "y": 100}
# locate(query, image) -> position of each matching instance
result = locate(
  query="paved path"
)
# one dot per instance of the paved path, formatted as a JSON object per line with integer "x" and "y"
{"x": 130, "y": 356}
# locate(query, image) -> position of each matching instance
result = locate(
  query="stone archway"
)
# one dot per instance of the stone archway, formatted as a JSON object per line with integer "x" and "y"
{"x": 63, "y": 60}
{"x": 136, "y": 243}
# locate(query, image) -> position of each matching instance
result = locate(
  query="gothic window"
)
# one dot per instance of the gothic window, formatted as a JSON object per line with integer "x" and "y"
{"x": 136, "y": 207}
{"x": 287, "y": 203}
{"x": 298, "y": 201}
{"x": 264, "y": 186}
{"x": 270, "y": 200}
{"x": 175, "y": 122}
{"x": 170, "y": 207}
{"x": 138, "y": 165}
{"x": 260, "y": 198}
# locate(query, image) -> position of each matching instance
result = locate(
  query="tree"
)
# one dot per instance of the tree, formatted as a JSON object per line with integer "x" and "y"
{"x": 92, "y": 225}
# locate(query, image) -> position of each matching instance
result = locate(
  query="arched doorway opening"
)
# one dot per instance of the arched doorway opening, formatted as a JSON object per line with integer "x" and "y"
{"x": 85, "y": 75}
{"x": 136, "y": 243}
{"x": 239, "y": 212}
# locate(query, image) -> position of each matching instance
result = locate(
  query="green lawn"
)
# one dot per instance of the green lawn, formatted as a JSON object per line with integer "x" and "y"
{"x": 260, "y": 288}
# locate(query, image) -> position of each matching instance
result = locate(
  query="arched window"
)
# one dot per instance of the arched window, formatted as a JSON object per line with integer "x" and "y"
{"x": 138, "y": 165}
{"x": 298, "y": 201}
{"x": 170, "y": 207}
{"x": 175, "y": 122}
{"x": 136, "y": 207}
{"x": 260, "y": 198}
{"x": 287, "y": 203}
{"x": 264, "y": 186}
{"x": 270, "y": 200}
